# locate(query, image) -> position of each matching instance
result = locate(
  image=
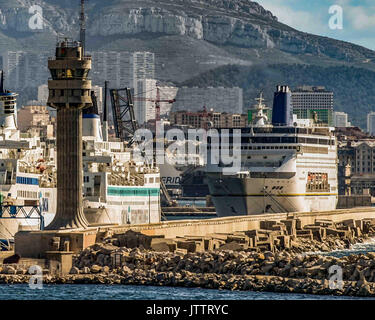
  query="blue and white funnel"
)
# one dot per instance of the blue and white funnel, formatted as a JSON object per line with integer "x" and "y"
{"x": 91, "y": 124}
{"x": 8, "y": 107}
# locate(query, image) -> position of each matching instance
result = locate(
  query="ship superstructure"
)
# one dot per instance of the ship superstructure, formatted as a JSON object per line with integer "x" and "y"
{"x": 27, "y": 168}
{"x": 287, "y": 166}
{"x": 116, "y": 190}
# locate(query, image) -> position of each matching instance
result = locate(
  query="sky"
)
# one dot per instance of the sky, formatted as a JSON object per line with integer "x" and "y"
{"x": 312, "y": 16}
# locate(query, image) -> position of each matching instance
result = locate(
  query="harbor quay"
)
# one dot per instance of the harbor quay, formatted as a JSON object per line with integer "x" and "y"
{"x": 278, "y": 253}
{"x": 170, "y": 229}
{"x": 76, "y": 240}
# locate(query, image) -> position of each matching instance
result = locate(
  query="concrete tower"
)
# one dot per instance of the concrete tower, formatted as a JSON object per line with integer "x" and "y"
{"x": 69, "y": 93}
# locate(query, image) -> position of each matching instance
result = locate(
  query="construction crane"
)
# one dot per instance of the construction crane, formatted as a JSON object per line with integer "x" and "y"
{"x": 157, "y": 102}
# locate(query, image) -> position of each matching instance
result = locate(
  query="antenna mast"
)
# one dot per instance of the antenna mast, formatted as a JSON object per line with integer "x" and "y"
{"x": 83, "y": 26}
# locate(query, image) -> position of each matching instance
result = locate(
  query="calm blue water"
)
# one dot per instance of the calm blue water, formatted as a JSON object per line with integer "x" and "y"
{"x": 122, "y": 292}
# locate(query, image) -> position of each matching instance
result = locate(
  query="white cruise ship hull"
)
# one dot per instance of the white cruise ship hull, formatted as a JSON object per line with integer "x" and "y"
{"x": 282, "y": 170}
{"x": 234, "y": 196}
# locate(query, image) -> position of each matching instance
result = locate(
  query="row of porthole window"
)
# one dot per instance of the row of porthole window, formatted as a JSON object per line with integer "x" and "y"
{"x": 27, "y": 194}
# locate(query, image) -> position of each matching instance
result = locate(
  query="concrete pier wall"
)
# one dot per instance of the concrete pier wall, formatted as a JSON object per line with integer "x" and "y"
{"x": 37, "y": 244}
{"x": 182, "y": 228}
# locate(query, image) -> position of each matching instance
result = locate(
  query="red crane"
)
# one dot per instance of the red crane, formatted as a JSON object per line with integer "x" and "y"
{"x": 157, "y": 103}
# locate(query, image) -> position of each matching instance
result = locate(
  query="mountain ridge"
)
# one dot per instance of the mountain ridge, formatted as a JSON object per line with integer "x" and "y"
{"x": 190, "y": 38}
{"x": 222, "y": 22}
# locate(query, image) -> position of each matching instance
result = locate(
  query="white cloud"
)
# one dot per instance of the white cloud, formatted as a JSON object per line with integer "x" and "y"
{"x": 301, "y": 20}
{"x": 360, "y": 18}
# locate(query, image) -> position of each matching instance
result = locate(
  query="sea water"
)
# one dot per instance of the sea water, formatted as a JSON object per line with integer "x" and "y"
{"x": 124, "y": 292}
{"x": 127, "y": 292}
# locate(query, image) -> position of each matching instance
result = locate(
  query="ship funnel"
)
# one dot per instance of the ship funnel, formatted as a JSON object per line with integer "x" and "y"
{"x": 282, "y": 113}
{"x": 8, "y": 107}
{"x": 91, "y": 127}
{"x": 91, "y": 124}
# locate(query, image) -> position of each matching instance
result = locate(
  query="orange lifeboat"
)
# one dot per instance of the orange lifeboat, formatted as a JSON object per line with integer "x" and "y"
{"x": 41, "y": 168}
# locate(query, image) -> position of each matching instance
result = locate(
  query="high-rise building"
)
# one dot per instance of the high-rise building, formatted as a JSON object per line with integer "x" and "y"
{"x": 142, "y": 75}
{"x": 43, "y": 93}
{"x": 121, "y": 68}
{"x": 144, "y": 108}
{"x": 106, "y": 66}
{"x": 371, "y": 123}
{"x": 14, "y": 67}
{"x": 99, "y": 66}
{"x": 113, "y": 66}
{"x": 25, "y": 69}
{"x": 308, "y": 101}
{"x": 340, "y": 119}
{"x": 142, "y": 66}
{"x": 125, "y": 70}
{"x": 219, "y": 99}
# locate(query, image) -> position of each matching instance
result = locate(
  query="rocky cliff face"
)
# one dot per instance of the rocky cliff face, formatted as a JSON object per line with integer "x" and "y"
{"x": 193, "y": 37}
{"x": 240, "y": 23}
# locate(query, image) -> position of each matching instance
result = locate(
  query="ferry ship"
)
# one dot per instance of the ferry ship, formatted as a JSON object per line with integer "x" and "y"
{"x": 27, "y": 170}
{"x": 289, "y": 165}
{"x": 184, "y": 175}
{"x": 116, "y": 190}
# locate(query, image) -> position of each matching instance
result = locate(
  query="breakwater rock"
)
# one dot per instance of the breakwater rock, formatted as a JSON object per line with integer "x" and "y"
{"x": 283, "y": 264}
{"x": 272, "y": 258}
{"x": 125, "y": 276}
{"x": 285, "y": 235}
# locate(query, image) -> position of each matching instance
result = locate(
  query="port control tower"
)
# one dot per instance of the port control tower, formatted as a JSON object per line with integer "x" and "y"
{"x": 69, "y": 93}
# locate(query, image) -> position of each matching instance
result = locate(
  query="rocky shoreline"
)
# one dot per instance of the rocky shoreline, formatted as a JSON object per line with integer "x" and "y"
{"x": 284, "y": 273}
{"x": 233, "y": 266}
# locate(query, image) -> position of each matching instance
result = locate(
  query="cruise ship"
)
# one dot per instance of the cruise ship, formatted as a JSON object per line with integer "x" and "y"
{"x": 289, "y": 165}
